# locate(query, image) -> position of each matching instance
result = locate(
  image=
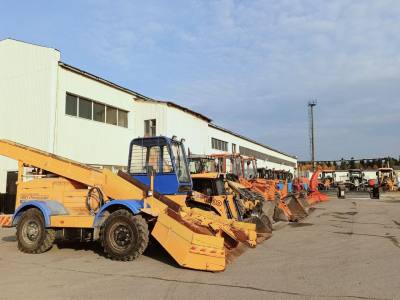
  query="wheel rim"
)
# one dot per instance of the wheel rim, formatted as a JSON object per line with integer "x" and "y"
{"x": 121, "y": 236}
{"x": 31, "y": 232}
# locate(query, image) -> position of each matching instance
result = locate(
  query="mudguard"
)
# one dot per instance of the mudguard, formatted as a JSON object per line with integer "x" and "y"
{"x": 48, "y": 208}
{"x": 134, "y": 206}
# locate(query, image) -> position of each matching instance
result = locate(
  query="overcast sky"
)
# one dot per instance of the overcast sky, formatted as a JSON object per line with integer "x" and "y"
{"x": 251, "y": 66}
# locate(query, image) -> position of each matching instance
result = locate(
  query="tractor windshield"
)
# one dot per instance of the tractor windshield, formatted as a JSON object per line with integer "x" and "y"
{"x": 236, "y": 167}
{"x": 178, "y": 153}
{"x": 155, "y": 156}
{"x": 220, "y": 186}
{"x": 201, "y": 165}
{"x": 250, "y": 171}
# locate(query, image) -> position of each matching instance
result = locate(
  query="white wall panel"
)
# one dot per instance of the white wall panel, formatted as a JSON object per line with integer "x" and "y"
{"x": 90, "y": 141}
{"x": 27, "y": 73}
{"x": 189, "y": 127}
{"x": 230, "y": 138}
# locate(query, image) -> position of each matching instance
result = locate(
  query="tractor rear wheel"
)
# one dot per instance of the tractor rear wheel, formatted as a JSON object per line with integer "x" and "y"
{"x": 124, "y": 236}
{"x": 32, "y": 235}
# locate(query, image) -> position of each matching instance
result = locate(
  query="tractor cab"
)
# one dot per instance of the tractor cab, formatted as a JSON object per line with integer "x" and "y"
{"x": 327, "y": 179}
{"x": 356, "y": 179}
{"x": 384, "y": 173}
{"x": 386, "y": 178}
{"x": 328, "y": 174}
{"x": 167, "y": 158}
{"x": 201, "y": 164}
{"x": 210, "y": 184}
{"x": 231, "y": 164}
{"x": 249, "y": 167}
{"x": 356, "y": 175}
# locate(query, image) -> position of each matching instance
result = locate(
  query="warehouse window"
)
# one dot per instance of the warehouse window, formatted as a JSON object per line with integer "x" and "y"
{"x": 71, "y": 105}
{"x": 122, "y": 118}
{"x": 150, "y": 128}
{"x": 219, "y": 145}
{"x": 111, "y": 116}
{"x": 92, "y": 110}
{"x": 85, "y": 108}
{"x": 99, "y": 112}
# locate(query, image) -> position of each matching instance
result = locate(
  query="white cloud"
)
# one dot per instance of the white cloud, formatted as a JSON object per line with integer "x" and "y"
{"x": 261, "y": 61}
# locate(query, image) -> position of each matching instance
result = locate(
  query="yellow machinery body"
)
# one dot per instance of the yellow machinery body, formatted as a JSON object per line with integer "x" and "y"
{"x": 195, "y": 239}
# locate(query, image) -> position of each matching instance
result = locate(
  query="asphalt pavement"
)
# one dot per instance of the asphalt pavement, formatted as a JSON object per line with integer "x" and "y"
{"x": 346, "y": 249}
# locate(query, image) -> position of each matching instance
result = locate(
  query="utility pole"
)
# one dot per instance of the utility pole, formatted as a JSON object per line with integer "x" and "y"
{"x": 311, "y": 105}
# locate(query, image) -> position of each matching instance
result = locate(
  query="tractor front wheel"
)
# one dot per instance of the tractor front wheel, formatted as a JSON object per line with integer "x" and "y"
{"x": 32, "y": 235}
{"x": 124, "y": 236}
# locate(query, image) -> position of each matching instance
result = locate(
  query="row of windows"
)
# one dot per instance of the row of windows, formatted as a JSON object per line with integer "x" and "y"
{"x": 219, "y": 145}
{"x": 84, "y": 108}
{"x": 263, "y": 156}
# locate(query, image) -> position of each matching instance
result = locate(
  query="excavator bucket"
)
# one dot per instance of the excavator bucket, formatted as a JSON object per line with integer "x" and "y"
{"x": 297, "y": 210}
{"x": 253, "y": 202}
{"x": 302, "y": 199}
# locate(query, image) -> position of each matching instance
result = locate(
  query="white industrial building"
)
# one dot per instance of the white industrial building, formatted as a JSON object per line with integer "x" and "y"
{"x": 50, "y": 105}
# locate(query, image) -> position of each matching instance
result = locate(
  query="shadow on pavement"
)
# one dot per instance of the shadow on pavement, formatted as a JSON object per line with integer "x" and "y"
{"x": 157, "y": 252}
{"x": 10, "y": 238}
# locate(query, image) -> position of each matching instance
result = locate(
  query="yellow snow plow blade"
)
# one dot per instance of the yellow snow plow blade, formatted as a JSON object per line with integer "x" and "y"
{"x": 188, "y": 248}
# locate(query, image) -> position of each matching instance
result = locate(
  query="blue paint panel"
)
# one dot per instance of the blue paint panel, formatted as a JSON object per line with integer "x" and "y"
{"x": 290, "y": 187}
{"x": 134, "y": 206}
{"x": 281, "y": 186}
{"x": 165, "y": 184}
{"x": 48, "y": 208}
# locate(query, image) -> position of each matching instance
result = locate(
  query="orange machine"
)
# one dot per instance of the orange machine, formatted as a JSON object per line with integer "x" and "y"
{"x": 244, "y": 170}
{"x": 314, "y": 195}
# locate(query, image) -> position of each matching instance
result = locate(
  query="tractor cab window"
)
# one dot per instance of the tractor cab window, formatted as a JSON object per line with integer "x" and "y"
{"x": 156, "y": 156}
{"x": 250, "y": 171}
{"x": 220, "y": 187}
{"x": 236, "y": 167}
{"x": 178, "y": 154}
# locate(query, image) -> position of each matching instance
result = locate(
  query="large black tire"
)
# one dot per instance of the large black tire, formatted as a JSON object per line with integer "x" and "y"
{"x": 124, "y": 236}
{"x": 32, "y": 235}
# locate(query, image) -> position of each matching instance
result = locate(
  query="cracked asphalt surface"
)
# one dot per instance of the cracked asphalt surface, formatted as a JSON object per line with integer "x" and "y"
{"x": 345, "y": 249}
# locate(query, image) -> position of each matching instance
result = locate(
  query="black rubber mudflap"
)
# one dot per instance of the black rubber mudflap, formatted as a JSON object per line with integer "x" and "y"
{"x": 296, "y": 208}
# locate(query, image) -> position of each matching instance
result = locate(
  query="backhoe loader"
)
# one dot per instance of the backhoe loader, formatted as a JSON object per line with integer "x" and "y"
{"x": 204, "y": 191}
{"x": 58, "y": 198}
{"x": 293, "y": 206}
{"x": 214, "y": 185}
{"x": 242, "y": 173}
{"x": 327, "y": 180}
{"x": 385, "y": 186}
{"x": 356, "y": 181}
